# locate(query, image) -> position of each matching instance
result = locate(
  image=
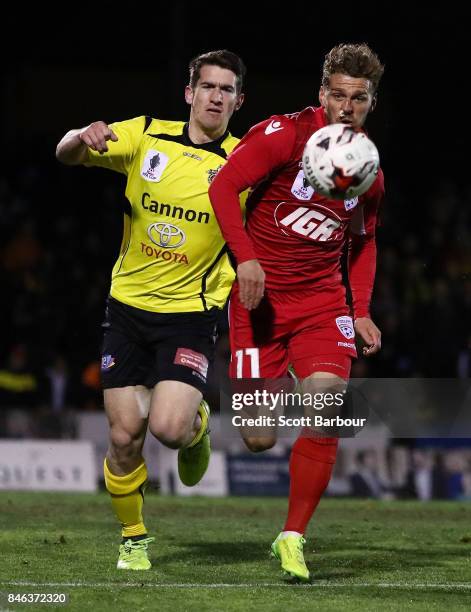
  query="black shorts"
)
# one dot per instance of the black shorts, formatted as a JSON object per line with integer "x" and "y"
{"x": 143, "y": 348}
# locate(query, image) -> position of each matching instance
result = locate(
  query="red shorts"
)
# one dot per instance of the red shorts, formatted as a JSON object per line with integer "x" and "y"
{"x": 311, "y": 330}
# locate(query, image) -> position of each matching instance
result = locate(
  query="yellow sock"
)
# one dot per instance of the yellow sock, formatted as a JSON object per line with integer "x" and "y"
{"x": 127, "y": 498}
{"x": 204, "y": 423}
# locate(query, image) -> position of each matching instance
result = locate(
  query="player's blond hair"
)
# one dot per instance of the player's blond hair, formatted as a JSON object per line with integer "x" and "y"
{"x": 356, "y": 60}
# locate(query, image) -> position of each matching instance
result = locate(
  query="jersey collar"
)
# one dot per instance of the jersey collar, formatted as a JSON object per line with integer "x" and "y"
{"x": 214, "y": 146}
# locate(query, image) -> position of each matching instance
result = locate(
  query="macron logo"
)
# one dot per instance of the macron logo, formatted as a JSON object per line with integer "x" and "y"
{"x": 275, "y": 126}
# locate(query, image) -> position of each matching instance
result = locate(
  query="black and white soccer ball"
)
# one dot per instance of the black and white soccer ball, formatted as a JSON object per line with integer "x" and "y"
{"x": 340, "y": 162}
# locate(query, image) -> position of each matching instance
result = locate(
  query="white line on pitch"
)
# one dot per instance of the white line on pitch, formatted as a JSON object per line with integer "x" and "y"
{"x": 380, "y": 585}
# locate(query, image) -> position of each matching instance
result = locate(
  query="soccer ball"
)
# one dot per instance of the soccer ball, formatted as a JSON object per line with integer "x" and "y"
{"x": 339, "y": 162}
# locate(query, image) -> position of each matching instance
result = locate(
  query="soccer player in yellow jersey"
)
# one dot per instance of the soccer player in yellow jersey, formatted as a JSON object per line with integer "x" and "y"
{"x": 172, "y": 276}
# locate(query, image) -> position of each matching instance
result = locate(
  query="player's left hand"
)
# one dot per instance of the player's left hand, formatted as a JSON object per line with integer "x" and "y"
{"x": 370, "y": 334}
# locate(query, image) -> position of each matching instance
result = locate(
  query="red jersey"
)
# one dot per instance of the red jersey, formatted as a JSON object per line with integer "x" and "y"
{"x": 296, "y": 234}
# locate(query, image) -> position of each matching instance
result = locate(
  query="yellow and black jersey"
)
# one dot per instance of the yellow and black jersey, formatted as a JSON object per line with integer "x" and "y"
{"x": 173, "y": 257}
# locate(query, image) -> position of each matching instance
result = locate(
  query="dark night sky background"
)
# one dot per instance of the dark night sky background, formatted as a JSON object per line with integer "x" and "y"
{"x": 75, "y": 65}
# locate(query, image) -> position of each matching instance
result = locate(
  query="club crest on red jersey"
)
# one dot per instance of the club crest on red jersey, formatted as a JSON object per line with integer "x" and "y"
{"x": 345, "y": 325}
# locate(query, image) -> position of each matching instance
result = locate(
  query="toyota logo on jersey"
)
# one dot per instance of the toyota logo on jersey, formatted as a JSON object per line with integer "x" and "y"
{"x": 166, "y": 235}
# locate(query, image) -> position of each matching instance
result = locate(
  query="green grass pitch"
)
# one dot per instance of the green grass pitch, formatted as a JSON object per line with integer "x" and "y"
{"x": 212, "y": 554}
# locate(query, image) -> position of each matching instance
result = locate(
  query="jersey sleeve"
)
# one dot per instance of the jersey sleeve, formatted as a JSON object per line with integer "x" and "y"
{"x": 366, "y": 217}
{"x": 266, "y": 147}
{"x": 362, "y": 248}
{"x": 120, "y": 153}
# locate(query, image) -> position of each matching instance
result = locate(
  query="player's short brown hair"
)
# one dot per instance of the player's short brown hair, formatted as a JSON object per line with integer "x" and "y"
{"x": 222, "y": 58}
{"x": 356, "y": 60}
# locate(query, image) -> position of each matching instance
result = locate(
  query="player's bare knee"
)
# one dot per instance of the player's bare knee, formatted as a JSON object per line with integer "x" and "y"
{"x": 123, "y": 444}
{"x": 327, "y": 393}
{"x": 258, "y": 444}
{"x": 173, "y": 434}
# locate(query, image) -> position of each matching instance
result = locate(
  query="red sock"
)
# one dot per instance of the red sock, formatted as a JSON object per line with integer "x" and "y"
{"x": 310, "y": 468}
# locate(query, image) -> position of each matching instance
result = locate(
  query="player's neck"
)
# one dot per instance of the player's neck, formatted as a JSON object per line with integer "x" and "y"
{"x": 198, "y": 135}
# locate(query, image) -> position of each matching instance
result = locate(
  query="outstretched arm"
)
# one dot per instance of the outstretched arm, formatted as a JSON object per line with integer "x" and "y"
{"x": 72, "y": 149}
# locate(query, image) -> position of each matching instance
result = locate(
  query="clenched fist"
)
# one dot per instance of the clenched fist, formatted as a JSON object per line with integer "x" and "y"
{"x": 95, "y": 136}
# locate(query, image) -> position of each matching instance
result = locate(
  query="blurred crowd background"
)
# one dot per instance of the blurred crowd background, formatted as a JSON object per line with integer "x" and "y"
{"x": 60, "y": 228}
{"x": 56, "y": 256}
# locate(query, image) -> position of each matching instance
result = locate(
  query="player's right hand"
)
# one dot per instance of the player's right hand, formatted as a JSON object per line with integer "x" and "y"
{"x": 96, "y": 135}
{"x": 251, "y": 280}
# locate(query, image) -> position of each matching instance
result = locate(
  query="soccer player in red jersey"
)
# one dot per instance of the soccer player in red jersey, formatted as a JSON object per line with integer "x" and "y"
{"x": 288, "y": 305}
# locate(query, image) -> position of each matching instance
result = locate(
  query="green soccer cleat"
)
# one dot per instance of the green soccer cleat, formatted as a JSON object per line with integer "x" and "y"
{"x": 193, "y": 460}
{"x": 289, "y": 550}
{"x": 133, "y": 555}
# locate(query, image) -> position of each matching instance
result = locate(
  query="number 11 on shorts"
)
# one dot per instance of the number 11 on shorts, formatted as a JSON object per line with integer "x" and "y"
{"x": 253, "y": 353}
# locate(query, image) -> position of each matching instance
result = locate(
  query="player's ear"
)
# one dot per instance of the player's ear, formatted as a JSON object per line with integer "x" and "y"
{"x": 373, "y": 103}
{"x": 240, "y": 101}
{"x": 188, "y": 95}
{"x": 322, "y": 99}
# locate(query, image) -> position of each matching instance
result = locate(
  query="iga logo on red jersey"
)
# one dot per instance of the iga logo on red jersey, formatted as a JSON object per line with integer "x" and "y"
{"x": 314, "y": 222}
